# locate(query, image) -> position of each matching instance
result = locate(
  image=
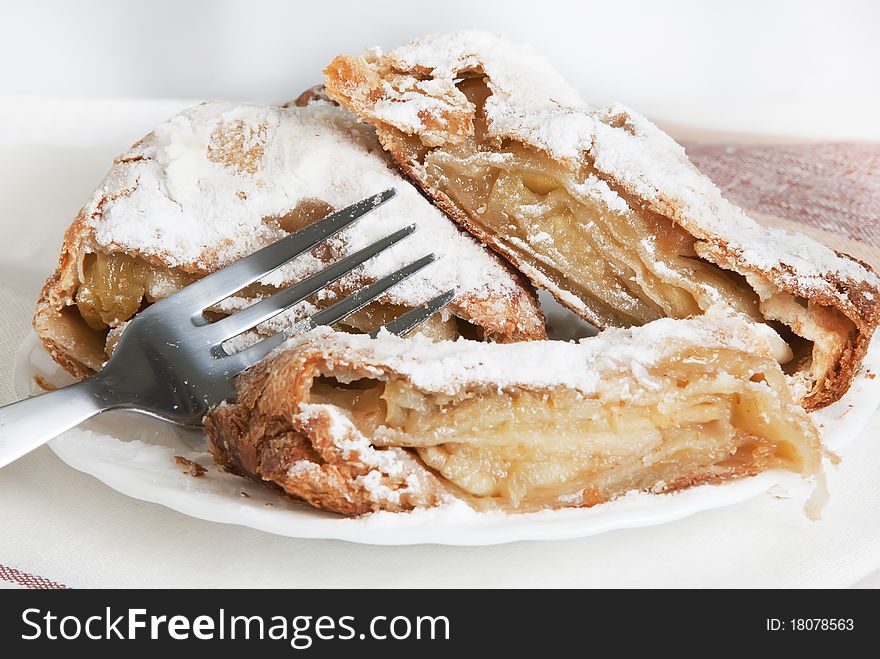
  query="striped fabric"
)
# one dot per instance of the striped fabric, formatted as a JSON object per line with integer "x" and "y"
{"x": 26, "y": 580}
{"x": 832, "y": 187}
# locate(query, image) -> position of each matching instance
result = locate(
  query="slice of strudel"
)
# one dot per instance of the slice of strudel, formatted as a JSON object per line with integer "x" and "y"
{"x": 598, "y": 205}
{"x": 355, "y": 425}
{"x": 219, "y": 181}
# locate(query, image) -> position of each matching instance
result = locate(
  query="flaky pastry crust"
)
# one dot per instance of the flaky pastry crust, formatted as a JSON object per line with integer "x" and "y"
{"x": 221, "y": 180}
{"x": 353, "y": 425}
{"x": 414, "y": 96}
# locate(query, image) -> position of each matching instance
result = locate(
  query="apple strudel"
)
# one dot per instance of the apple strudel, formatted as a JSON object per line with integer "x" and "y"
{"x": 219, "y": 181}
{"x": 598, "y": 205}
{"x": 355, "y": 425}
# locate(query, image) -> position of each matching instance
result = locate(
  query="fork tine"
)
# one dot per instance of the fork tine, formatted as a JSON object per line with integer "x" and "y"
{"x": 265, "y": 309}
{"x": 361, "y": 298}
{"x": 415, "y": 317}
{"x": 213, "y": 288}
{"x": 243, "y": 359}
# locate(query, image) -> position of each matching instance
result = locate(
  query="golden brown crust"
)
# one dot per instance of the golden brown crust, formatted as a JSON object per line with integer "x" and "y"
{"x": 257, "y": 437}
{"x": 313, "y": 93}
{"x": 278, "y": 433}
{"x": 57, "y": 294}
{"x": 391, "y": 92}
{"x": 855, "y": 305}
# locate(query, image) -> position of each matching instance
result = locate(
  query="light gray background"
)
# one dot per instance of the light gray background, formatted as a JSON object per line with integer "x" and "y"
{"x": 782, "y": 66}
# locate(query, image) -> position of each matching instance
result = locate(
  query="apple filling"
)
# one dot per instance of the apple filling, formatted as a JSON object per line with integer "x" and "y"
{"x": 602, "y": 257}
{"x": 114, "y": 287}
{"x": 628, "y": 266}
{"x": 703, "y": 418}
{"x": 611, "y": 260}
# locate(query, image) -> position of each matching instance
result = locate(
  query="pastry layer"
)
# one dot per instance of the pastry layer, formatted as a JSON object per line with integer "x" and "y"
{"x": 219, "y": 181}
{"x": 355, "y": 425}
{"x": 598, "y": 205}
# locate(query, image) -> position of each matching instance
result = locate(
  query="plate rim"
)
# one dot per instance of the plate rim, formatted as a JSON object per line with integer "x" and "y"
{"x": 544, "y": 526}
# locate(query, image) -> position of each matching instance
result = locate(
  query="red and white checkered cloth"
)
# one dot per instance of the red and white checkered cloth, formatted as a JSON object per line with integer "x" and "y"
{"x": 831, "y": 188}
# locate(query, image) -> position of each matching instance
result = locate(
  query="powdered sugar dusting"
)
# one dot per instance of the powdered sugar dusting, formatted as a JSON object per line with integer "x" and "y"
{"x": 532, "y": 104}
{"x": 652, "y": 165}
{"x": 197, "y": 193}
{"x": 352, "y": 443}
{"x": 448, "y": 365}
{"x": 389, "y": 474}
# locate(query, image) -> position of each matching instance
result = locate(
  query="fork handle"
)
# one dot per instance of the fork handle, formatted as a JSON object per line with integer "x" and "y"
{"x": 32, "y": 422}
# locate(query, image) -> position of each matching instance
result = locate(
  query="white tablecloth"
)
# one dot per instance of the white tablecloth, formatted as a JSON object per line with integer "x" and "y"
{"x": 64, "y": 526}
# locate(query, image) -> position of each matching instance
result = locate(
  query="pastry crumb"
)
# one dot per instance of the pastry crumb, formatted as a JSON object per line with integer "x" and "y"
{"x": 194, "y": 469}
{"x": 43, "y": 383}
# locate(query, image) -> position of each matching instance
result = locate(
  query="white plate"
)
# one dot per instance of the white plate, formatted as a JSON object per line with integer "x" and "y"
{"x": 135, "y": 455}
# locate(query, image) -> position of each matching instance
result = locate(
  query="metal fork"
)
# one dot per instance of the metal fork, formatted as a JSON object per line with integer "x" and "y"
{"x": 170, "y": 361}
